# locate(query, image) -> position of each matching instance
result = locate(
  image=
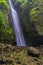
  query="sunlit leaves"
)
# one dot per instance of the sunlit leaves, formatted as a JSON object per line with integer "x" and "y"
{"x": 5, "y": 2}
{"x": 34, "y": 15}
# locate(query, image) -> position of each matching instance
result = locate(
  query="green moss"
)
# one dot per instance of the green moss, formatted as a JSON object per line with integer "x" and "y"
{"x": 16, "y": 56}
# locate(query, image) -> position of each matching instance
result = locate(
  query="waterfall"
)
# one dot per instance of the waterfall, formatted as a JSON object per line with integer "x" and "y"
{"x": 17, "y": 27}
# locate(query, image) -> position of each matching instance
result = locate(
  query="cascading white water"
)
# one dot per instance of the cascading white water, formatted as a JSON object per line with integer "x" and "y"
{"x": 18, "y": 30}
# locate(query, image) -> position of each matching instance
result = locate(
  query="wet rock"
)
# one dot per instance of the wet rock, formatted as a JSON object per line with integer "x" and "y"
{"x": 18, "y": 61}
{"x": 33, "y": 52}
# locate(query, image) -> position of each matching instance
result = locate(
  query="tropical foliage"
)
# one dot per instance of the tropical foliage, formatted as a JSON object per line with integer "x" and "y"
{"x": 31, "y": 18}
{"x": 6, "y": 31}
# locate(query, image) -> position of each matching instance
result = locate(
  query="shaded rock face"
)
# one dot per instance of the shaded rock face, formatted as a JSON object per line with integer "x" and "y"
{"x": 33, "y": 52}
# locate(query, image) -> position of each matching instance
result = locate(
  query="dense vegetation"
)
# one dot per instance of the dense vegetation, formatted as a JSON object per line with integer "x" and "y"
{"x": 6, "y": 29}
{"x": 31, "y": 18}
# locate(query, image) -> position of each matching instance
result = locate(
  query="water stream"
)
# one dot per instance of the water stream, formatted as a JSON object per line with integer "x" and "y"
{"x": 17, "y": 27}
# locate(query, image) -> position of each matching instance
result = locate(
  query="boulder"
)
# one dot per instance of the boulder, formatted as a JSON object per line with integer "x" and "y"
{"x": 33, "y": 52}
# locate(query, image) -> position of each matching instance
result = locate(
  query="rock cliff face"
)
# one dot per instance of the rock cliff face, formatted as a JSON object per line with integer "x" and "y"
{"x": 31, "y": 19}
